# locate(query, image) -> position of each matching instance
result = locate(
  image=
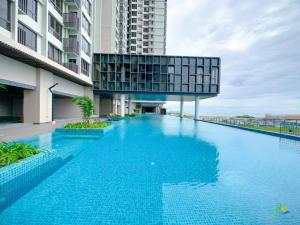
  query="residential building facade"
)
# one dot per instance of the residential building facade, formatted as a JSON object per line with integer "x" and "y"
{"x": 43, "y": 44}
{"x": 146, "y": 31}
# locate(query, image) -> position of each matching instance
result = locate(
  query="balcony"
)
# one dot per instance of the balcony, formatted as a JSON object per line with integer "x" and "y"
{"x": 56, "y": 6}
{"x": 4, "y": 23}
{"x": 76, "y": 3}
{"x": 71, "y": 66}
{"x": 71, "y": 20}
{"x": 71, "y": 45}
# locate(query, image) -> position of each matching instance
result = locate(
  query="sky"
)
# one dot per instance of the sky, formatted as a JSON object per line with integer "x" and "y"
{"x": 259, "y": 45}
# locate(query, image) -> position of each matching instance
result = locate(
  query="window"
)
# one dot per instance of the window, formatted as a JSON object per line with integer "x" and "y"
{"x": 133, "y": 48}
{"x": 26, "y": 36}
{"x": 29, "y": 7}
{"x": 84, "y": 67}
{"x": 134, "y": 13}
{"x": 85, "y": 46}
{"x": 134, "y": 20}
{"x": 86, "y": 25}
{"x": 5, "y": 14}
{"x": 185, "y": 61}
{"x": 87, "y": 5}
{"x": 133, "y": 34}
{"x": 214, "y": 75}
{"x": 133, "y": 27}
{"x": 57, "y": 5}
{"x": 54, "y": 53}
{"x": 134, "y": 6}
{"x": 54, "y": 27}
{"x": 185, "y": 70}
{"x": 171, "y": 69}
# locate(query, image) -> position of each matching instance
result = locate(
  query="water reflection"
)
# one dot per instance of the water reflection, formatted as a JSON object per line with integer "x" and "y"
{"x": 162, "y": 157}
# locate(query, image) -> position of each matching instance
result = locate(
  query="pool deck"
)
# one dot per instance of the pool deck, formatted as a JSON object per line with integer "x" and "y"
{"x": 14, "y": 131}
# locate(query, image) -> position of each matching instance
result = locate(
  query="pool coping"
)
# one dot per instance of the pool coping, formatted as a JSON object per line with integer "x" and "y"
{"x": 288, "y": 136}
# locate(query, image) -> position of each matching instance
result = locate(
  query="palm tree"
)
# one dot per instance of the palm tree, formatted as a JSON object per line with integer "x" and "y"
{"x": 87, "y": 107}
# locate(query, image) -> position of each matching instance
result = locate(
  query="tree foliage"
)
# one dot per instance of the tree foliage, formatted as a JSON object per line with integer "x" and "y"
{"x": 87, "y": 107}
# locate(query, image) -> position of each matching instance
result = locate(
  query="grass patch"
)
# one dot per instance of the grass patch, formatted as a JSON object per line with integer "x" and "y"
{"x": 273, "y": 129}
{"x": 85, "y": 125}
{"x": 15, "y": 152}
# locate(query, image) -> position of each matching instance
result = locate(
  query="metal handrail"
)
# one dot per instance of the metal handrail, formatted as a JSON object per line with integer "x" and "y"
{"x": 71, "y": 20}
{"x": 71, "y": 66}
{"x": 71, "y": 45}
{"x": 56, "y": 7}
{"x": 5, "y": 23}
{"x": 286, "y": 126}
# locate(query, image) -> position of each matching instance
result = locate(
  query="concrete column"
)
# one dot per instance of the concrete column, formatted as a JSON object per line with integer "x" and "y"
{"x": 197, "y": 101}
{"x": 181, "y": 107}
{"x": 129, "y": 106}
{"x": 37, "y": 106}
{"x": 122, "y": 104}
{"x": 116, "y": 107}
{"x": 97, "y": 105}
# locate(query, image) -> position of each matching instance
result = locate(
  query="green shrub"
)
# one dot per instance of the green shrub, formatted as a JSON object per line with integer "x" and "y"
{"x": 87, "y": 107}
{"x": 14, "y": 152}
{"x": 86, "y": 125}
{"x": 116, "y": 117}
{"x": 131, "y": 115}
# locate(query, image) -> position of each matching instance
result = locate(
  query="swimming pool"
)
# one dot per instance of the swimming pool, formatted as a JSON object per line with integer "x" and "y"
{"x": 159, "y": 170}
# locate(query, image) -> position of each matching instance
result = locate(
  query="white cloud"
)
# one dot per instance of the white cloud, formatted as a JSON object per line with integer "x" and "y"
{"x": 258, "y": 42}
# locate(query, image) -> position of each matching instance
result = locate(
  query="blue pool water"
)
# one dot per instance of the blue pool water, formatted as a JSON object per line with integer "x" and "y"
{"x": 159, "y": 170}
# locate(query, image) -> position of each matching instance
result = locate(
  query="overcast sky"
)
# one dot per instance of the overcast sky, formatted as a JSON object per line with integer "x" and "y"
{"x": 259, "y": 45}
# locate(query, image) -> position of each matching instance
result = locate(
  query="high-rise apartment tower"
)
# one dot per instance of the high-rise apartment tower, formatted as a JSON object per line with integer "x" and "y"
{"x": 146, "y": 29}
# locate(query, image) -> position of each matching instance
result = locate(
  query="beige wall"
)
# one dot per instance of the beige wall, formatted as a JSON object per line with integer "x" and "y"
{"x": 15, "y": 71}
{"x": 37, "y": 102}
{"x": 65, "y": 108}
{"x": 105, "y": 26}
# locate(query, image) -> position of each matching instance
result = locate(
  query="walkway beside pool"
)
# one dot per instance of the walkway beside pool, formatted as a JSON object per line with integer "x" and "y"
{"x": 14, "y": 131}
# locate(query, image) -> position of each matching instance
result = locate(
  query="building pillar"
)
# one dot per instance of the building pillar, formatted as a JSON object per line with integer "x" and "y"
{"x": 115, "y": 110}
{"x": 97, "y": 105}
{"x": 122, "y": 104}
{"x": 197, "y": 101}
{"x": 37, "y": 105}
{"x": 129, "y": 106}
{"x": 181, "y": 107}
